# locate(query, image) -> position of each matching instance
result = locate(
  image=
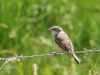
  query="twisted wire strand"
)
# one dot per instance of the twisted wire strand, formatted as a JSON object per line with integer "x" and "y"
{"x": 18, "y": 58}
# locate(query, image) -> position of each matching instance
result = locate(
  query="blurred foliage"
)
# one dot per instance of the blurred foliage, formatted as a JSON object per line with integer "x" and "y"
{"x": 23, "y": 30}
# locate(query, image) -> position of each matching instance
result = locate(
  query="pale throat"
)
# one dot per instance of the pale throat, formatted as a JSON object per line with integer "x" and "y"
{"x": 54, "y": 33}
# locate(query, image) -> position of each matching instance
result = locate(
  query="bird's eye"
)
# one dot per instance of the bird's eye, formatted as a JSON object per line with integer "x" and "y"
{"x": 55, "y": 29}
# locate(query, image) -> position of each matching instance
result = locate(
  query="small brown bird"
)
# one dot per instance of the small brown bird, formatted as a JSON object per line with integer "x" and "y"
{"x": 63, "y": 41}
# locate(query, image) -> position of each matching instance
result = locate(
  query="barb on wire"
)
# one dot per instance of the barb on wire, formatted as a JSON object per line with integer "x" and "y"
{"x": 18, "y": 58}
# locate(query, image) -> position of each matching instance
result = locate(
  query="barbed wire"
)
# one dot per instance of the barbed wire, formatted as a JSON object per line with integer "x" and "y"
{"x": 18, "y": 58}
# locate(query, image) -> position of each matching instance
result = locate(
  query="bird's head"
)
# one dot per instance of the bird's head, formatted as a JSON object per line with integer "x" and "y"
{"x": 55, "y": 29}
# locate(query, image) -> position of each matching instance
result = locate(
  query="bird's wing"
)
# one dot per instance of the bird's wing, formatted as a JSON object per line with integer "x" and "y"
{"x": 63, "y": 41}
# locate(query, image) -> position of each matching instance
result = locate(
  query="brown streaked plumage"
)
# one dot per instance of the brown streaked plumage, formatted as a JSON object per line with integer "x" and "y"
{"x": 63, "y": 41}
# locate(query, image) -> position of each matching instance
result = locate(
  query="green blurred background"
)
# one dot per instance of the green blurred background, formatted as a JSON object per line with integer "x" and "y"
{"x": 23, "y": 30}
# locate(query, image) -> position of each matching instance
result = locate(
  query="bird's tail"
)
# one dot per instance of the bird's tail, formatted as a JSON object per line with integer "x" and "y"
{"x": 76, "y": 58}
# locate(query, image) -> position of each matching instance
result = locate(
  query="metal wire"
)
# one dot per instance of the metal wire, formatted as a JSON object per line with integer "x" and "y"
{"x": 18, "y": 58}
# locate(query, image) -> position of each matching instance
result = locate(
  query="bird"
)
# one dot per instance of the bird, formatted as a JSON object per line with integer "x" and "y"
{"x": 63, "y": 41}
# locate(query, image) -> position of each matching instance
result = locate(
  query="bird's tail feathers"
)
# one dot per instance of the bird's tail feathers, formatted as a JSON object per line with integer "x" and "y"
{"x": 76, "y": 58}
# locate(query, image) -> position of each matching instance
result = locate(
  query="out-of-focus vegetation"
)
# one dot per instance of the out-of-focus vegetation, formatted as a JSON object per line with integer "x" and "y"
{"x": 23, "y": 30}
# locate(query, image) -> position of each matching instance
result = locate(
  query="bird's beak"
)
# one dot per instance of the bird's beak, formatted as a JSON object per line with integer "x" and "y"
{"x": 49, "y": 29}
